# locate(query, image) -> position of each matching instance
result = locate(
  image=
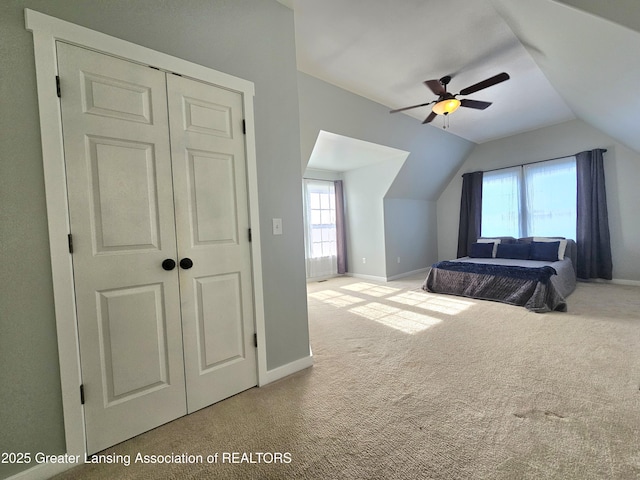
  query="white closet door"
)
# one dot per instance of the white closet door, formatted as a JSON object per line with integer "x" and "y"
{"x": 122, "y": 219}
{"x": 212, "y": 221}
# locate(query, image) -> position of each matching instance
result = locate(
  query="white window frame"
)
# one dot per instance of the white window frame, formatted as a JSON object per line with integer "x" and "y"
{"x": 320, "y": 226}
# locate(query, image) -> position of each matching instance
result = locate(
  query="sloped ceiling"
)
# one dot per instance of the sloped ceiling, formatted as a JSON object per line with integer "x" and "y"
{"x": 592, "y": 62}
{"x": 623, "y": 12}
{"x": 565, "y": 62}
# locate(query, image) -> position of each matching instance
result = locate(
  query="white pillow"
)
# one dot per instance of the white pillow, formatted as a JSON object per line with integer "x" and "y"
{"x": 561, "y": 248}
{"x": 495, "y": 242}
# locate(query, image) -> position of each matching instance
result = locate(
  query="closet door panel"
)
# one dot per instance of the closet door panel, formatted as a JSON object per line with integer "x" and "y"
{"x": 119, "y": 182}
{"x": 212, "y": 224}
{"x": 213, "y": 210}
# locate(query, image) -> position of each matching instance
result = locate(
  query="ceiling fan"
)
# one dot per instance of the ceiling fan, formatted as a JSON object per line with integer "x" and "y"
{"x": 448, "y": 103}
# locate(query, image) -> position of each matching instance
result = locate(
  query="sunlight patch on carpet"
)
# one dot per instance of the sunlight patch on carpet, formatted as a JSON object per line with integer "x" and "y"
{"x": 403, "y": 320}
{"x": 448, "y": 306}
{"x": 337, "y": 299}
{"x": 371, "y": 289}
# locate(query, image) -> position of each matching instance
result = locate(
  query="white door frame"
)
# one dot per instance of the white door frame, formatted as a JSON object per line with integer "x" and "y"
{"x": 46, "y": 31}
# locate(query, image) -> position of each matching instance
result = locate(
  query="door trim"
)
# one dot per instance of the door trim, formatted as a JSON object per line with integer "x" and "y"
{"x": 46, "y": 31}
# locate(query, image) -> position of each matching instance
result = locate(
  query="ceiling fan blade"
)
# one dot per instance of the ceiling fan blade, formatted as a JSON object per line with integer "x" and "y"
{"x": 435, "y": 86}
{"x": 489, "y": 82}
{"x": 431, "y": 116}
{"x": 477, "y": 104}
{"x": 412, "y": 106}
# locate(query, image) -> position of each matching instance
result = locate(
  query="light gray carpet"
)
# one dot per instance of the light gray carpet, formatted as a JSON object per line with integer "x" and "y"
{"x": 412, "y": 385}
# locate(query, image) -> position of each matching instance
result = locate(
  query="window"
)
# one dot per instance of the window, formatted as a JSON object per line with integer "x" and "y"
{"x": 322, "y": 207}
{"x": 551, "y": 198}
{"x": 320, "y": 231}
{"x": 531, "y": 200}
{"x": 501, "y": 198}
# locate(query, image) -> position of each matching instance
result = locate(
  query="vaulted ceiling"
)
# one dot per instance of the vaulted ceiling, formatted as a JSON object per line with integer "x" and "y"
{"x": 564, "y": 62}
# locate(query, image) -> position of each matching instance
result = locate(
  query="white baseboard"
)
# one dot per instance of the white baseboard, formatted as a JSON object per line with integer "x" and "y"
{"x": 288, "y": 369}
{"x": 615, "y": 281}
{"x": 387, "y": 279}
{"x": 367, "y": 277}
{"x": 622, "y": 281}
{"x": 408, "y": 274}
{"x": 326, "y": 277}
{"x": 42, "y": 471}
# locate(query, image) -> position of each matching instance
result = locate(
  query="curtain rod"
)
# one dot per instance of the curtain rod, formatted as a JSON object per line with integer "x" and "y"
{"x": 604, "y": 150}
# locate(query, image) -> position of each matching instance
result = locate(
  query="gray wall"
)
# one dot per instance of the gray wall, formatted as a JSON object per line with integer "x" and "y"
{"x": 622, "y": 173}
{"x": 383, "y": 230}
{"x": 364, "y": 189}
{"x": 250, "y": 39}
{"x": 405, "y": 221}
{"x": 434, "y": 156}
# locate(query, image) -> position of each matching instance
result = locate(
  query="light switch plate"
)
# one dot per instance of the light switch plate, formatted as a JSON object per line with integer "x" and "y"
{"x": 277, "y": 226}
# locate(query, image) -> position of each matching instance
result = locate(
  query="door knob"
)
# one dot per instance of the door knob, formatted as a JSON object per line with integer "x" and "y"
{"x": 186, "y": 263}
{"x": 169, "y": 264}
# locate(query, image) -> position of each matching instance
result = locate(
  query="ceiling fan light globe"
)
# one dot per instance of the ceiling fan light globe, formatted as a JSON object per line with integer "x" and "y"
{"x": 446, "y": 107}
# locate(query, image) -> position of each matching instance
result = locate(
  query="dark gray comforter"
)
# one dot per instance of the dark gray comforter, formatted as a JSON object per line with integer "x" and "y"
{"x": 536, "y": 296}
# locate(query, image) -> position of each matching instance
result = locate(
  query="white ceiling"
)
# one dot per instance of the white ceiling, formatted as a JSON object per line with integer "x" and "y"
{"x": 562, "y": 61}
{"x": 338, "y": 153}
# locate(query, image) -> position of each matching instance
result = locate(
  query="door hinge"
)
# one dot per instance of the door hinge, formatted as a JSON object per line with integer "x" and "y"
{"x": 82, "y": 394}
{"x": 244, "y": 127}
{"x": 58, "y": 86}
{"x": 249, "y": 234}
{"x": 255, "y": 340}
{"x": 70, "y": 241}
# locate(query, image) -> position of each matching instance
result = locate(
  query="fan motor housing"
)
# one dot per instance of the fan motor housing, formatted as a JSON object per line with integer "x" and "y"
{"x": 445, "y": 80}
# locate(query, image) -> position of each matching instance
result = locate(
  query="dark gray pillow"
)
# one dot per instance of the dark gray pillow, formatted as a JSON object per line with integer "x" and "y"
{"x": 519, "y": 251}
{"x": 481, "y": 250}
{"x": 544, "y": 251}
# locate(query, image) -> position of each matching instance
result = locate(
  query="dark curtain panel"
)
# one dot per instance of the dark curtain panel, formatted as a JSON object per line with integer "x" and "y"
{"x": 341, "y": 231}
{"x": 470, "y": 212}
{"x": 592, "y": 236}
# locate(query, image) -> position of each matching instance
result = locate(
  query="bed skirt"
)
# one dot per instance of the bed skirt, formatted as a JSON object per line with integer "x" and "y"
{"x": 536, "y": 296}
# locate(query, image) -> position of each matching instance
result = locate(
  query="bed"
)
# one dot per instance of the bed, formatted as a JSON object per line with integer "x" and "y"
{"x": 512, "y": 271}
